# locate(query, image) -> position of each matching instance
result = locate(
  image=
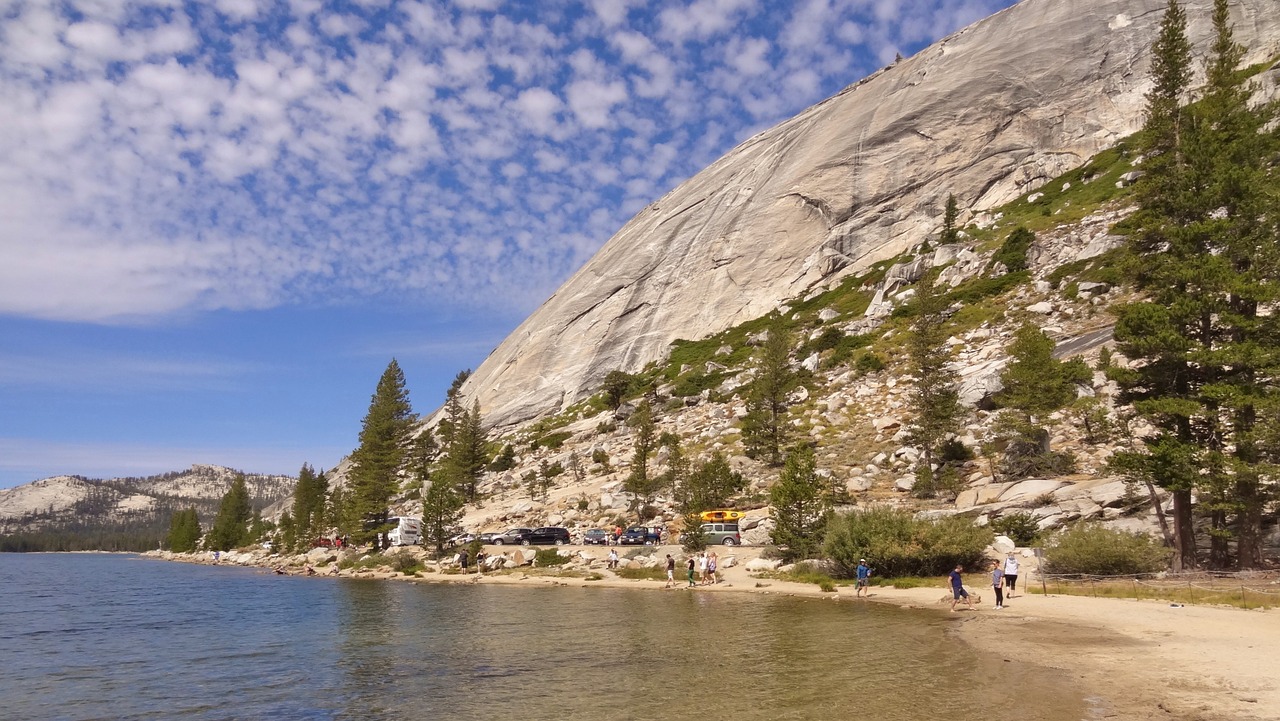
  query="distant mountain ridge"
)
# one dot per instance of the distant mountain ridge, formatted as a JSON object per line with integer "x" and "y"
{"x": 989, "y": 113}
{"x": 77, "y": 509}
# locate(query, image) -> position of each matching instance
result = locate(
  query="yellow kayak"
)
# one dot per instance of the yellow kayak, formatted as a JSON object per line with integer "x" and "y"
{"x": 712, "y": 516}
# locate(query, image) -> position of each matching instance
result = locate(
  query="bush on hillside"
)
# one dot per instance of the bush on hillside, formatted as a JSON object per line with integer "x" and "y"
{"x": 1021, "y": 527}
{"x": 896, "y": 543}
{"x": 1088, "y": 548}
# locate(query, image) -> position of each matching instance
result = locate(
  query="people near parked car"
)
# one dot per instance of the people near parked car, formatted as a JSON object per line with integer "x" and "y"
{"x": 617, "y": 535}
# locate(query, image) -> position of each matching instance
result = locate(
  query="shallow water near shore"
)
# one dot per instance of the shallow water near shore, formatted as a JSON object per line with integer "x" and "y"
{"x": 119, "y": 637}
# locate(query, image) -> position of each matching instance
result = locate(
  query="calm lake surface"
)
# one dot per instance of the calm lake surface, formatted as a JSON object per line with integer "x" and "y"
{"x": 120, "y": 637}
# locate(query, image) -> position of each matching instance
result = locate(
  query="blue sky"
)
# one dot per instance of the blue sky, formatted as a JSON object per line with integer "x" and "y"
{"x": 219, "y": 220}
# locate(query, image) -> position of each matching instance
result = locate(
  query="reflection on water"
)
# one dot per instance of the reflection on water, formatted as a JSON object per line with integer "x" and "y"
{"x": 108, "y": 637}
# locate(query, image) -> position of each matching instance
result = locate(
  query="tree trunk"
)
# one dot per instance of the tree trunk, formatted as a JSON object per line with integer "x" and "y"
{"x": 1249, "y": 522}
{"x": 1184, "y": 535}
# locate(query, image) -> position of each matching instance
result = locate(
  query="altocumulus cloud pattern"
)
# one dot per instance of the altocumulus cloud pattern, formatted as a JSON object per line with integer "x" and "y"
{"x": 169, "y": 156}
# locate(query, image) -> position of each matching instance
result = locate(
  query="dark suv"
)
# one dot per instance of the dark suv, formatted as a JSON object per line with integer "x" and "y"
{"x": 640, "y": 536}
{"x": 513, "y": 537}
{"x": 548, "y": 535}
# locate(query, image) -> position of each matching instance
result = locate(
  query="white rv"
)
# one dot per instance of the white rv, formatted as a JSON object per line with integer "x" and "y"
{"x": 405, "y": 531}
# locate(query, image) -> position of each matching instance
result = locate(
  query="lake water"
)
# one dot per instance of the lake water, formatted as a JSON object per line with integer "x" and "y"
{"x": 121, "y": 637}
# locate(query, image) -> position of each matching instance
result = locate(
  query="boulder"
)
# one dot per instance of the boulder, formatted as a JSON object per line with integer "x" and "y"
{"x": 757, "y": 565}
{"x": 1030, "y": 490}
{"x": 1003, "y": 545}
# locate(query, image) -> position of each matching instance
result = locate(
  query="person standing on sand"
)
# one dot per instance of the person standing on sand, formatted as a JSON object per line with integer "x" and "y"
{"x": 864, "y": 578}
{"x": 671, "y": 571}
{"x": 690, "y": 565}
{"x": 712, "y": 562}
{"x": 1011, "y": 573}
{"x": 613, "y": 559}
{"x": 702, "y": 568}
{"x": 997, "y": 583}
{"x": 957, "y": 589}
{"x": 462, "y": 560}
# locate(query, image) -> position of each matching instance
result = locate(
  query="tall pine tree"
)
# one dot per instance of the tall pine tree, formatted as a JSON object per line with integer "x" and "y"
{"x": 764, "y": 429}
{"x": 385, "y": 437}
{"x": 934, "y": 398}
{"x": 1205, "y": 357}
{"x": 231, "y": 526}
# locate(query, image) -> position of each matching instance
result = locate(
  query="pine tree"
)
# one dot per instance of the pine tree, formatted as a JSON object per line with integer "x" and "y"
{"x": 442, "y": 509}
{"x": 640, "y": 482}
{"x": 466, "y": 450}
{"x": 934, "y": 400}
{"x": 950, "y": 233}
{"x": 1204, "y": 357}
{"x": 1035, "y": 382}
{"x": 308, "y": 506}
{"x": 230, "y": 527}
{"x": 616, "y": 386}
{"x": 764, "y": 429}
{"x": 184, "y": 531}
{"x": 800, "y": 505}
{"x": 376, "y": 464}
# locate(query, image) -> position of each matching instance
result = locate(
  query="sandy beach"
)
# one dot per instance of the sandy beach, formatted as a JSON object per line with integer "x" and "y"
{"x": 1140, "y": 660}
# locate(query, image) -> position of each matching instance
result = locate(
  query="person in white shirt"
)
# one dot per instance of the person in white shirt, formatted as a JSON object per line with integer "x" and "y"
{"x": 1011, "y": 573}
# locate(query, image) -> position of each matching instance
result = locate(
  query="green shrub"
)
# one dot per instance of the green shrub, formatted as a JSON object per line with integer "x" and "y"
{"x": 600, "y": 456}
{"x": 976, "y": 289}
{"x": 896, "y": 543}
{"x": 642, "y": 574}
{"x": 545, "y": 557}
{"x": 552, "y": 440}
{"x": 1021, "y": 527}
{"x": 869, "y": 363}
{"x": 1089, "y": 548}
{"x": 806, "y": 572}
{"x": 1013, "y": 253}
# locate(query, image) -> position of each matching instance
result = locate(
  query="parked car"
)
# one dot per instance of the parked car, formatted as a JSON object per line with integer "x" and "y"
{"x": 488, "y": 536}
{"x": 722, "y": 534}
{"x": 548, "y": 535}
{"x": 640, "y": 536}
{"x": 596, "y": 537}
{"x": 512, "y": 536}
{"x": 460, "y": 539}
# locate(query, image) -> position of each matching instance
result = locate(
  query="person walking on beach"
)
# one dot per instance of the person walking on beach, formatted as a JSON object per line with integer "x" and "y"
{"x": 997, "y": 583}
{"x": 712, "y": 562}
{"x": 671, "y": 571}
{"x": 690, "y": 565}
{"x": 613, "y": 559}
{"x": 957, "y": 589}
{"x": 1011, "y": 573}
{"x": 702, "y": 568}
{"x": 864, "y": 578}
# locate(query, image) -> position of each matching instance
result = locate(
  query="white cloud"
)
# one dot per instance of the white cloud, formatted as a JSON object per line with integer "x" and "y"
{"x": 591, "y": 101}
{"x": 147, "y": 172}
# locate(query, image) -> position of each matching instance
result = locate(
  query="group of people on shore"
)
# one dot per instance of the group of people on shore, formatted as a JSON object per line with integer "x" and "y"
{"x": 700, "y": 568}
{"x": 1004, "y": 575}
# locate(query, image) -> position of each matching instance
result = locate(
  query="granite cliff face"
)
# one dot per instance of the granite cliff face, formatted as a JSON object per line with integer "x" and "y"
{"x": 987, "y": 114}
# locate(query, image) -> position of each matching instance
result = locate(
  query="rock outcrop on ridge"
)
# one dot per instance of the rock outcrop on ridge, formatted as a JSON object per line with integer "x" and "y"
{"x": 987, "y": 114}
{"x": 61, "y": 500}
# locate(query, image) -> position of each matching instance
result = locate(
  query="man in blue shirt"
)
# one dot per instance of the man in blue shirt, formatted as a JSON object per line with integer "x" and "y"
{"x": 957, "y": 589}
{"x": 864, "y": 573}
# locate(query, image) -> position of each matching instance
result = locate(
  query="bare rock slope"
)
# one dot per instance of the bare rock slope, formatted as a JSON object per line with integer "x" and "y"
{"x": 987, "y": 113}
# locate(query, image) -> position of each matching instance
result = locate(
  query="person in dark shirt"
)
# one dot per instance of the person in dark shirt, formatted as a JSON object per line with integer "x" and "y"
{"x": 957, "y": 589}
{"x": 689, "y": 565}
{"x": 671, "y": 571}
